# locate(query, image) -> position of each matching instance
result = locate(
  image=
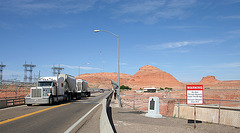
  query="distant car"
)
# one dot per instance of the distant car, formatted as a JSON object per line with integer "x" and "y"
{"x": 101, "y": 91}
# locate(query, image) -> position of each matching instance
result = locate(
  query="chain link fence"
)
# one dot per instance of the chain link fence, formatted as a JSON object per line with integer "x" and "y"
{"x": 13, "y": 93}
{"x": 219, "y": 111}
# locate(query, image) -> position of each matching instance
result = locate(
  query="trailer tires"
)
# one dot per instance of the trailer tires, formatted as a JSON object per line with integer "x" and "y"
{"x": 69, "y": 97}
{"x": 79, "y": 96}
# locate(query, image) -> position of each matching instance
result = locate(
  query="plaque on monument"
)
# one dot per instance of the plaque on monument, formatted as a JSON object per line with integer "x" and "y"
{"x": 152, "y": 103}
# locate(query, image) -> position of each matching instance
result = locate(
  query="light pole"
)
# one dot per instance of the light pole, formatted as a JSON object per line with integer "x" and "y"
{"x": 118, "y": 90}
{"x": 79, "y": 69}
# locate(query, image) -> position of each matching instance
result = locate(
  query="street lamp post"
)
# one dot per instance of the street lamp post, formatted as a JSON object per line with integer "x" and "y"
{"x": 118, "y": 90}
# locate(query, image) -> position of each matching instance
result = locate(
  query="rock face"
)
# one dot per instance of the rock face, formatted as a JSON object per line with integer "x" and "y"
{"x": 102, "y": 80}
{"x": 209, "y": 80}
{"x": 150, "y": 76}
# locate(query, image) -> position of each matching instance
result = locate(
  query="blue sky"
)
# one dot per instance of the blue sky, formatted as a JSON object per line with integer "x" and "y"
{"x": 189, "y": 39}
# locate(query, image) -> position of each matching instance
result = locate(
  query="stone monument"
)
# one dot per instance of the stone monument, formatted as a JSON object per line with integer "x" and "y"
{"x": 153, "y": 108}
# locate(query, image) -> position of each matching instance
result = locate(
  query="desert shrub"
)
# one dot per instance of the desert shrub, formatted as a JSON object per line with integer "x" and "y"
{"x": 123, "y": 87}
{"x": 166, "y": 88}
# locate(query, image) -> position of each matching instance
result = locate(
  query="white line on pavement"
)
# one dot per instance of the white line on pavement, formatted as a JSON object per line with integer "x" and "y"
{"x": 80, "y": 120}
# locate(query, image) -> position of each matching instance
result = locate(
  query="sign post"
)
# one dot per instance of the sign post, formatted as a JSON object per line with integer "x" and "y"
{"x": 194, "y": 96}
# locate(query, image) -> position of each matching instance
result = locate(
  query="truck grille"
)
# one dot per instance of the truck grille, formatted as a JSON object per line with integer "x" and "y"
{"x": 36, "y": 92}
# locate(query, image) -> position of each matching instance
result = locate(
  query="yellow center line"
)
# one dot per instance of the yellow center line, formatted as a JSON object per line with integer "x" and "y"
{"x": 16, "y": 118}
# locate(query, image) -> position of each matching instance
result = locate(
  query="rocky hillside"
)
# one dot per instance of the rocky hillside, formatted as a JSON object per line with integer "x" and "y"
{"x": 150, "y": 76}
{"x": 102, "y": 80}
{"x": 147, "y": 76}
{"x": 213, "y": 83}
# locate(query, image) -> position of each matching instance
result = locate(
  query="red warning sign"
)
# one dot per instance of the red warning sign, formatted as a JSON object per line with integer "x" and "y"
{"x": 194, "y": 94}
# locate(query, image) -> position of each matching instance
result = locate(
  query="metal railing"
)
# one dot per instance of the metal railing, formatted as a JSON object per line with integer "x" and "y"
{"x": 221, "y": 109}
{"x": 13, "y": 93}
{"x": 12, "y": 89}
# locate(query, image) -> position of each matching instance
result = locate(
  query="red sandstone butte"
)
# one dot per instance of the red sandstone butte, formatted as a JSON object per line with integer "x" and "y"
{"x": 213, "y": 83}
{"x": 209, "y": 80}
{"x": 150, "y": 76}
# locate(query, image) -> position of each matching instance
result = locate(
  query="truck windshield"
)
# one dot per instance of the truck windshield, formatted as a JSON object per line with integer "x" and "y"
{"x": 44, "y": 83}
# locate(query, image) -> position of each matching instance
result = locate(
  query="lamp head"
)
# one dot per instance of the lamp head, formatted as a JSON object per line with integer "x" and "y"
{"x": 96, "y": 30}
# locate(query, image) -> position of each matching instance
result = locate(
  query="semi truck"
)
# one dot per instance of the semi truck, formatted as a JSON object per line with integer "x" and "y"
{"x": 56, "y": 89}
{"x": 82, "y": 87}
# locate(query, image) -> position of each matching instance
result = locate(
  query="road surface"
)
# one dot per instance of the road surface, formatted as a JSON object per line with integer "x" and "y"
{"x": 46, "y": 118}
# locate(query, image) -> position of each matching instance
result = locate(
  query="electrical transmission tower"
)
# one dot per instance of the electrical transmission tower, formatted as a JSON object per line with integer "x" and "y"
{"x": 57, "y": 70}
{"x": 28, "y": 68}
{"x": 1, "y": 69}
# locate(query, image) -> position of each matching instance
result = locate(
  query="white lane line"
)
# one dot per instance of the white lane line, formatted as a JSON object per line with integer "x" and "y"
{"x": 80, "y": 120}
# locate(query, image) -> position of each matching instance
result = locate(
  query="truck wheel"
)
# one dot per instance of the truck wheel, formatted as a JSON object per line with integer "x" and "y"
{"x": 88, "y": 94}
{"x": 66, "y": 99}
{"x": 78, "y": 96}
{"x": 69, "y": 97}
{"x": 29, "y": 104}
{"x": 50, "y": 100}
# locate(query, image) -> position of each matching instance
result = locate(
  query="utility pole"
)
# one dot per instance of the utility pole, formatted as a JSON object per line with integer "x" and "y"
{"x": 1, "y": 70}
{"x": 28, "y": 68}
{"x": 57, "y": 70}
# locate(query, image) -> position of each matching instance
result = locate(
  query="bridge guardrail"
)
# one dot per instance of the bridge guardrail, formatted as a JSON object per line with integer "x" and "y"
{"x": 106, "y": 121}
{"x": 11, "y": 102}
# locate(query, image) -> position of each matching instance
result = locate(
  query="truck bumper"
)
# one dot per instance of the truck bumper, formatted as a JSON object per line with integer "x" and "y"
{"x": 37, "y": 101}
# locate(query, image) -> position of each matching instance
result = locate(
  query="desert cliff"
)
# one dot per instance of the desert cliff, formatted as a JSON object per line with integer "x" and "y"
{"x": 150, "y": 76}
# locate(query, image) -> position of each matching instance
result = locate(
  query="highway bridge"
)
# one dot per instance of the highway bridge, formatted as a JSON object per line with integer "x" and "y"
{"x": 47, "y": 118}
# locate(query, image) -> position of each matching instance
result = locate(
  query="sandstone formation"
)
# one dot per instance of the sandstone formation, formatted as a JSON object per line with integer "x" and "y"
{"x": 212, "y": 83}
{"x": 147, "y": 76}
{"x": 209, "y": 80}
{"x": 150, "y": 76}
{"x": 102, "y": 80}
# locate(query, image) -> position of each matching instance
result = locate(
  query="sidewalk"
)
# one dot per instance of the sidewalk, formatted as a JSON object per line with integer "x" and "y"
{"x": 132, "y": 121}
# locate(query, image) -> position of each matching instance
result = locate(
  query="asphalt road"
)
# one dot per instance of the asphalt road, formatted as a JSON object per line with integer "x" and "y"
{"x": 44, "y": 118}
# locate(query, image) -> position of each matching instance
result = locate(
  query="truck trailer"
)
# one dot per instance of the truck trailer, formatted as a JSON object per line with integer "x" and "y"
{"x": 54, "y": 89}
{"x": 82, "y": 87}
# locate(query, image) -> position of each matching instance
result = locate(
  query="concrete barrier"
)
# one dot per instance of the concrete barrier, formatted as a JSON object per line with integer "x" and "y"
{"x": 106, "y": 122}
{"x": 105, "y": 125}
{"x": 3, "y": 104}
{"x": 228, "y": 115}
{"x": 77, "y": 125}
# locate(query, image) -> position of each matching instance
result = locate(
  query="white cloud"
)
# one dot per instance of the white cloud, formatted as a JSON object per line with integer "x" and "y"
{"x": 12, "y": 72}
{"x": 152, "y": 11}
{"x": 77, "y": 67}
{"x": 223, "y": 65}
{"x": 230, "y": 17}
{"x": 172, "y": 45}
{"x": 40, "y": 6}
{"x": 123, "y": 64}
{"x": 54, "y": 26}
{"x": 228, "y": 65}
